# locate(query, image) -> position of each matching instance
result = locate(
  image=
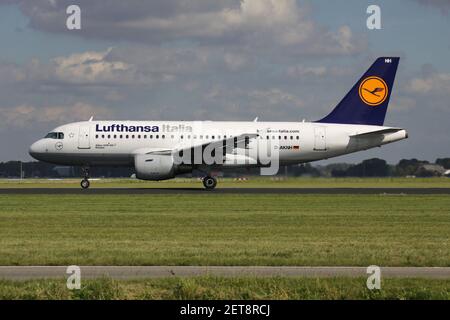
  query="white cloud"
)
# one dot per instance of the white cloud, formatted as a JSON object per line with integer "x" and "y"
{"x": 253, "y": 23}
{"x": 301, "y": 71}
{"x": 23, "y": 115}
{"x": 275, "y": 97}
{"x": 235, "y": 61}
{"x": 89, "y": 67}
{"x": 402, "y": 104}
{"x": 431, "y": 83}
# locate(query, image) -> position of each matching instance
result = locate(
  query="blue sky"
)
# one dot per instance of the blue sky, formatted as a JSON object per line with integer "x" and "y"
{"x": 227, "y": 60}
{"x": 23, "y": 43}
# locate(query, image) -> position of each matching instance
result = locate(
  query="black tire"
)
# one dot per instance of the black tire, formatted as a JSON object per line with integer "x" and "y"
{"x": 209, "y": 182}
{"x": 85, "y": 183}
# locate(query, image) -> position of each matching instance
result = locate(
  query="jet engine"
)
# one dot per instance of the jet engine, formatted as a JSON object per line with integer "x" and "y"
{"x": 154, "y": 166}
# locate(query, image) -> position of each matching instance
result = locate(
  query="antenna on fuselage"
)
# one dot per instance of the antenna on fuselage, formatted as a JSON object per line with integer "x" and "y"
{"x": 91, "y": 118}
{"x": 256, "y": 119}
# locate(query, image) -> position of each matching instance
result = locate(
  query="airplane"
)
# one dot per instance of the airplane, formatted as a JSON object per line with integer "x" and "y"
{"x": 160, "y": 150}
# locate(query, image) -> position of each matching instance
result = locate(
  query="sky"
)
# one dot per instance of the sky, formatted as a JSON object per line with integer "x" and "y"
{"x": 220, "y": 60}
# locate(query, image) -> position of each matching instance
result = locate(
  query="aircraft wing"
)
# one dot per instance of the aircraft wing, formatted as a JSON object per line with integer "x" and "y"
{"x": 228, "y": 143}
{"x": 155, "y": 151}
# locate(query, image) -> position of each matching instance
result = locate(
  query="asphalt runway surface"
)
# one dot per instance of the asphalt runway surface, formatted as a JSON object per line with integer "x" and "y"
{"x": 96, "y": 191}
{"x": 136, "y": 272}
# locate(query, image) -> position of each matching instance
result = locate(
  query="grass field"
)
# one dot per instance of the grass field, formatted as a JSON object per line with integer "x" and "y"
{"x": 253, "y": 182}
{"x": 228, "y": 288}
{"x": 213, "y": 229}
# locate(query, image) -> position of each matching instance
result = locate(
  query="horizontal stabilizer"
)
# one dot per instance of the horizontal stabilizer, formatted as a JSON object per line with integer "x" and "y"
{"x": 377, "y": 132}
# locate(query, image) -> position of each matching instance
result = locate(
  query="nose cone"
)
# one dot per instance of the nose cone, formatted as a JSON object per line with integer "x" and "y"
{"x": 37, "y": 149}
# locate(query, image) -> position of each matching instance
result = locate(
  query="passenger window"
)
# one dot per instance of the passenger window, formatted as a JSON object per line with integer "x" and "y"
{"x": 157, "y": 136}
{"x": 145, "y": 136}
{"x": 115, "y": 136}
{"x": 292, "y": 137}
{"x": 163, "y": 137}
{"x": 103, "y": 136}
{"x": 96, "y": 136}
{"x": 120, "y": 136}
{"x": 139, "y": 136}
{"x": 212, "y": 137}
{"x": 132, "y": 136}
{"x": 109, "y": 136}
{"x": 127, "y": 136}
{"x": 298, "y": 137}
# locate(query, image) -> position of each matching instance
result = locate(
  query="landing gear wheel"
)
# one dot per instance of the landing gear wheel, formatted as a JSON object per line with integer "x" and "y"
{"x": 85, "y": 183}
{"x": 209, "y": 182}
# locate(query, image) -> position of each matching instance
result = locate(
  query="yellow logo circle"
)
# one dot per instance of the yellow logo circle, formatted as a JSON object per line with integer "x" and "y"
{"x": 373, "y": 91}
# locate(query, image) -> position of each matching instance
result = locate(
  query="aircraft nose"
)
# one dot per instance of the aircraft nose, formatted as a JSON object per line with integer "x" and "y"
{"x": 36, "y": 149}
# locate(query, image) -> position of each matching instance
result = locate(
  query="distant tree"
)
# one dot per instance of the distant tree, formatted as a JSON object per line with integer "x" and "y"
{"x": 339, "y": 173}
{"x": 445, "y": 162}
{"x": 368, "y": 168}
{"x": 423, "y": 173}
{"x": 303, "y": 170}
{"x": 408, "y": 167}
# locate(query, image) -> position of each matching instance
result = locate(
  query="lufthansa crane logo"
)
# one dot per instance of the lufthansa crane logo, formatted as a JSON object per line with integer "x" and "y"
{"x": 59, "y": 145}
{"x": 373, "y": 91}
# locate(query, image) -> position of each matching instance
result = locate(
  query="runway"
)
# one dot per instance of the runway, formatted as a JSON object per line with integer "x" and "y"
{"x": 136, "y": 272}
{"x": 100, "y": 191}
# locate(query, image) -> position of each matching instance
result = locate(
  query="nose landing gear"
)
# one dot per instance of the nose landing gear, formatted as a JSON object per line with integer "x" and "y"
{"x": 85, "y": 182}
{"x": 209, "y": 182}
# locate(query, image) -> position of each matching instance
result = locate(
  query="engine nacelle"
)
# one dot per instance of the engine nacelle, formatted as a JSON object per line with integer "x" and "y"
{"x": 154, "y": 166}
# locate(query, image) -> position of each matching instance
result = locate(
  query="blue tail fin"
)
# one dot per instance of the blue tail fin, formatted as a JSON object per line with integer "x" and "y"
{"x": 367, "y": 101}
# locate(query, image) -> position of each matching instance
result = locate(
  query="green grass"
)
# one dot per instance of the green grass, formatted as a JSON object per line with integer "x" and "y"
{"x": 252, "y": 182}
{"x": 218, "y": 229}
{"x": 228, "y": 288}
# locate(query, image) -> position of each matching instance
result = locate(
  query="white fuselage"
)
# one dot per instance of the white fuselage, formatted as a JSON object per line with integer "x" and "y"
{"x": 115, "y": 143}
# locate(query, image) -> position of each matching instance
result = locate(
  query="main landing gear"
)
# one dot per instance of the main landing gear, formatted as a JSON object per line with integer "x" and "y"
{"x": 85, "y": 182}
{"x": 209, "y": 182}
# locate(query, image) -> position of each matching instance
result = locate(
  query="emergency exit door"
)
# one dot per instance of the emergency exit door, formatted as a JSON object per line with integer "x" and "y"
{"x": 320, "y": 138}
{"x": 84, "y": 141}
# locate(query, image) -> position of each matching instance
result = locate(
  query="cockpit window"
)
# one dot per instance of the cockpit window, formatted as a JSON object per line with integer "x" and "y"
{"x": 55, "y": 135}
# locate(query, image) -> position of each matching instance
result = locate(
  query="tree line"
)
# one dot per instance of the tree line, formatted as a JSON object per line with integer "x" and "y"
{"x": 374, "y": 167}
